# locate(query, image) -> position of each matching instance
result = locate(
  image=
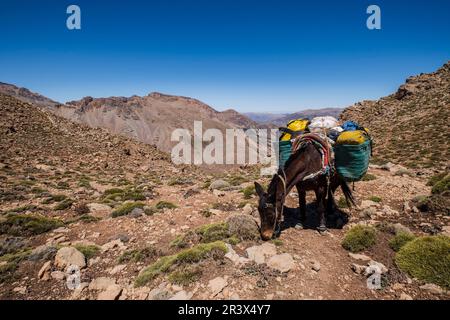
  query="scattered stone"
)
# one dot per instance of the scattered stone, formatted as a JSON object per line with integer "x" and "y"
{"x": 446, "y": 231}
{"x": 61, "y": 230}
{"x": 405, "y": 296}
{"x": 243, "y": 226}
{"x": 234, "y": 257}
{"x": 219, "y": 185}
{"x": 159, "y": 294}
{"x": 399, "y": 228}
{"x": 20, "y": 290}
{"x": 99, "y": 210}
{"x": 117, "y": 269}
{"x": 315, "y": 265}
{"x": 136, "y": 213}
{"x": 432, "y": 288}
{"x": 248, "y": 209}
{"x": 102, "y": 283}
{"x": 216, "y": 285}
{"x": 218, "y": 193}
{"x": 260, "y": 253}
{"x": 44, "y": 272}
{"x": 282, "y": 262}
{"x": 361, "y": 257}
{"x": 182, "y": 295}
{"x": 78, "y": 291}
{"x": 111, "y": 293}
{"x": 69, "y": 256}
{"x": 113, "y": 245}
{"x": 58, "y": 275}
{"x": 368, "y": 204}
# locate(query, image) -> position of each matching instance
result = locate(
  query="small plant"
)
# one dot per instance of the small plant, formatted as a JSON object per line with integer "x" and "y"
{"x": 359, "y": 238}
{"x": 126, "y": 208}
{"x": 369, "y": 177}
{"x": 187, "y": 256}
{"x": 277, "y": 242}
{"x": 27, "y": 225}
{"x": 54, "y": 198}
{"x": 375, "y": 199}
{"x": 66, "y": 204}
{"x": 186, "y": 275}
{"x": 89, "y": 251}
{"x": 426, "y": 258}
{"x": 161, "y": 205}
{"x": 400, "y": 239}
{"x": 206, "y": 213}
{"x": 138, "y": 255}
{"x": 342, "y": 203}
{"x": 248, "y": 192}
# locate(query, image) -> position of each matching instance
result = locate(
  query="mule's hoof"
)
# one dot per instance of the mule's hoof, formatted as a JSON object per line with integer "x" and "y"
{"x": 322, "y": 229}
{"x": 299, "y": 226}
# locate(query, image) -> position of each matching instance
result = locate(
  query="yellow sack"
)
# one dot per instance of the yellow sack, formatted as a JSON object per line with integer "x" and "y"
{"x": 295, "y": 125}
{"x": 352, "y": 137}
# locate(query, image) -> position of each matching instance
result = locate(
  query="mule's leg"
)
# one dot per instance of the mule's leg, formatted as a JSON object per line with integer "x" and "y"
{"x": 321, "y": 205}
{"x": 302, "y": 206}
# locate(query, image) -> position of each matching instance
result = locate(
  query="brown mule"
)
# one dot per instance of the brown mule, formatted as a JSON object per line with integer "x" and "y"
{"x": 306, "y": 162}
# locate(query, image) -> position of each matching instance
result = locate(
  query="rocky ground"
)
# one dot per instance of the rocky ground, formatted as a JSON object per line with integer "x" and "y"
{"x": 74, "y": 196}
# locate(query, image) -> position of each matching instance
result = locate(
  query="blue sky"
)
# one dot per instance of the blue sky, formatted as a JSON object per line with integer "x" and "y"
{"x": 261, "y": 56}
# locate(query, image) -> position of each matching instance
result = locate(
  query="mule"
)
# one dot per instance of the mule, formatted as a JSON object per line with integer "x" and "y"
{"x": 303, "y": 163}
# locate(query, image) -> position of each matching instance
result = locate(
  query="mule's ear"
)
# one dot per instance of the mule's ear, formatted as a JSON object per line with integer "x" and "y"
{"x": 259, "y": 190}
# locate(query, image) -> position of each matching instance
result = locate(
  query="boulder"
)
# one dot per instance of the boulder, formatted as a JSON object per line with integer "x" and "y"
{"x": 111, "y": 293}
{"x": 281, "y": 262}
{"x": 219, "y": 185}
{"x": 69, "y": 256}
{"x": 259, "y": 254}
{"x": 216, "y": 285}
{"x": 44, "y": 272}
{"x": 244, "y": 227}
{"x": 99, "y": 210}
{"x": 102, "y": 283}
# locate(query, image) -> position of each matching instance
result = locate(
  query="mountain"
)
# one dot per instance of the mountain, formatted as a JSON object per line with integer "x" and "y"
{"x": 151, "y": 119}
{"x": 410, "y": 126}
{"x": 282, "y": 119}
{"x": 263, "y": 117}
{"x": 26, "y": 95}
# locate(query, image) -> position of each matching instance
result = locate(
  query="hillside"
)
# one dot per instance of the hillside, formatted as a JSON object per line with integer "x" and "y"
{"x": 411, "y": 126}
{"x": 26, "y": 95}
{"x": 151, "y": 119}
{"x": 120, "y": 210}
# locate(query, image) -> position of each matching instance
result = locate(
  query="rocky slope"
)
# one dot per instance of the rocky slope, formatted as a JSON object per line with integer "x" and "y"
{"x": 118, "y": 209}
{"x": 410, "y": 126}
{"x": 26, "y": 95}
{"x": 151, "y": 119}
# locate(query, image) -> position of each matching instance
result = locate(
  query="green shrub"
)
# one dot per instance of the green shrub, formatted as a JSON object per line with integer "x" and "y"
{"x": 442, "y": 185}
{"x": 400, "y": 239}
{"x": 375, "y": 199}
{"x": 126, "y": 208}
{"x": 165, "y": 205}
{"x": 27, "y": 225}
{"x": 89, "y": 251}
{"x": 187, "y": 256}
{"x": 342, "y": 203}
{"x": 186, "y": 275}
{"x": 369, "y": 177}
{"x": 427, "y": 258}
{"x": 359, "y": 238}
{"x": 248, "y": 191}
{"x": 138, "y": 255}
{"x": 66, "y": 204}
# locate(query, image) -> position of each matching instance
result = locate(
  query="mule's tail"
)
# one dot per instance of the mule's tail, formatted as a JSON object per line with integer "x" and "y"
{"x": 347, "y": 194}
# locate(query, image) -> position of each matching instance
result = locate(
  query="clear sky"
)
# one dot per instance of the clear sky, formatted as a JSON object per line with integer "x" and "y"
{"x": 261, "y": 56}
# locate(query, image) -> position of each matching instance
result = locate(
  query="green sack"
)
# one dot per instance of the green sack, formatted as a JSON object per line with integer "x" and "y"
{"x": 285, "y": 149}
{"x": 352, "y": 161}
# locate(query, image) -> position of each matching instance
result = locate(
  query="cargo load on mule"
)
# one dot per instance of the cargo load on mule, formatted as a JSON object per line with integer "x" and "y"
{"x": 352, "y": 152}
{"x": 294, "y": 129}
{"x": 351, "y": 144}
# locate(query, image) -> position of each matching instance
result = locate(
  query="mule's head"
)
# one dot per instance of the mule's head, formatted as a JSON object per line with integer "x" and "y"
{"x": 267, "y": 213}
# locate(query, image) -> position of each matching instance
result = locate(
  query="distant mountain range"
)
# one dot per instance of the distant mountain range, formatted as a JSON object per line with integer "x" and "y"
{"x": 283, "y": 118}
